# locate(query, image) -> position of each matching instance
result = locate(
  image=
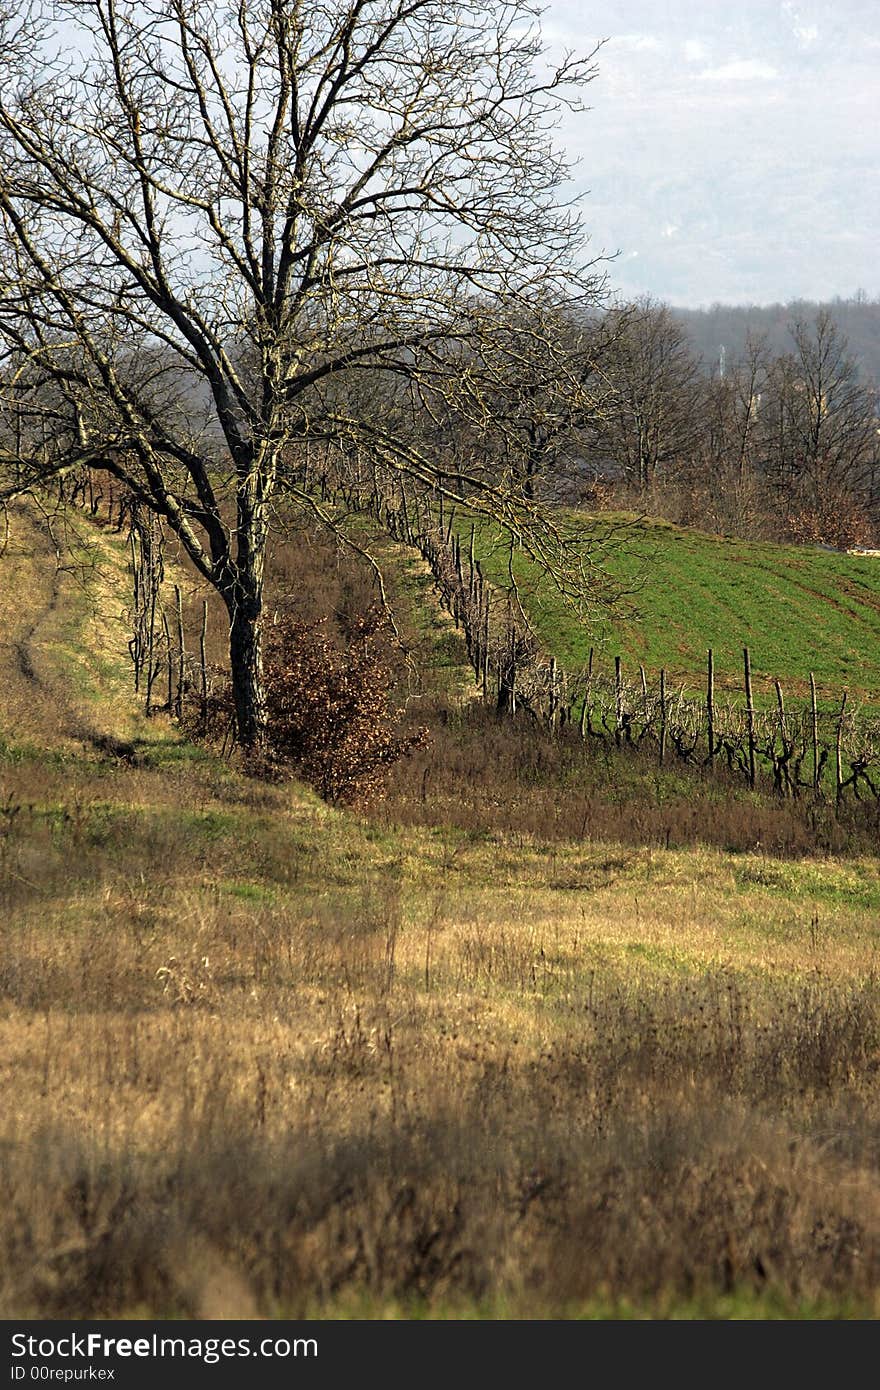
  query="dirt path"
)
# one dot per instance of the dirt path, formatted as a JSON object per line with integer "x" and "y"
{"x": 32, "y": 703}
{"x": 64, "y": 682}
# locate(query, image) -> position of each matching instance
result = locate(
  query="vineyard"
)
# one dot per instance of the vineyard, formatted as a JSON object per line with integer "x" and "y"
{"x": 815, "y": 746}
{"x": 798, "y": 609}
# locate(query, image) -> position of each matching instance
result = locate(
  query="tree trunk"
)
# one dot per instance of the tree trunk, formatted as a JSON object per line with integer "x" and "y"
{"x": 246, "y": 665}
{"x": 244, "y": 603}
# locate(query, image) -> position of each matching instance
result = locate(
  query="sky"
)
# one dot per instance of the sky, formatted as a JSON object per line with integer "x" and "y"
{"x": 731, "y": 150}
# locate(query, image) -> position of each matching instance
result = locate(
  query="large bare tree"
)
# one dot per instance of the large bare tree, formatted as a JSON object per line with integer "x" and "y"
{"x": 219, "y": 220}
{"x": 820, "y": 427}
{"x": 653, "y": 393}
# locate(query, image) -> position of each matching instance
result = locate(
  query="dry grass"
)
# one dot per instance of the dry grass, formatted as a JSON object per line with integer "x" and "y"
{"x": 484, "y": 773}
{"x": 263, "y": 1058}
{"x": 272, "y": 1073}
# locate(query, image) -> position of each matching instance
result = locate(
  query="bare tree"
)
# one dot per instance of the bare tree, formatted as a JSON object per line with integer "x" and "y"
{"x": 818, "y": 430}
{"x": 726, "y": 484}
{"x": 541, "y": 393}
{"x": 653, "y": 396}
{"x": 217, "y": 220}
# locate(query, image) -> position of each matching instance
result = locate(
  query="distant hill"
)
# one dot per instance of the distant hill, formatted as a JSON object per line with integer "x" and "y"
{"x": 728, "y": 325}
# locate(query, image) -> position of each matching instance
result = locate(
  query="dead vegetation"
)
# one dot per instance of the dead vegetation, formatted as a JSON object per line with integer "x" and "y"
{"x": 264, "y": 1059}
{"x": 480, "y": 772}
{"x": 318, "y": 1098}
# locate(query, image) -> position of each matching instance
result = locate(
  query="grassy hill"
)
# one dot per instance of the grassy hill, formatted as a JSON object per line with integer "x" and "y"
{"x": 797, "y": 609}
{"x": 264, "y": 1057}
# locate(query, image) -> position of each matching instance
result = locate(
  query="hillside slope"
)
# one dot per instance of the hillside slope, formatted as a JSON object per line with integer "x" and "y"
{"x": 64, "y": 681}
{"x": 798, "y": 609}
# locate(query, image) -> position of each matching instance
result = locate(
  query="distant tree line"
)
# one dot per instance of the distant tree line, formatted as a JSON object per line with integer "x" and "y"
{"x": 777, "y": 444}
{"x": 728, "y": 326}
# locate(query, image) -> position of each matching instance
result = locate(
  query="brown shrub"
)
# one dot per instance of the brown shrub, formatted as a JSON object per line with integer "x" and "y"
{"x": 330, "y": 716}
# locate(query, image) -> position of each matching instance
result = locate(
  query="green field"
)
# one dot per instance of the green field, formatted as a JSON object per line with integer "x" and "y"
{"x": 797, "y": 609}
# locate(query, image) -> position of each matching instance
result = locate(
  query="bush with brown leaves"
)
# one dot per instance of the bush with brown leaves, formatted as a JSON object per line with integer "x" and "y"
{"x": 330, "y": 713}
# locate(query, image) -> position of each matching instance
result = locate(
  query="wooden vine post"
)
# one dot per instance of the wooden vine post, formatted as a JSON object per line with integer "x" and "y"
{"x": 784, "y": 778}
{"x": 181, "y": 652}
{"x": 750, "y": 713}
{"x": 204, "y": 664}
{"x": 710, "y": 707}
{"x": 167, "y": 631}
{"x": 838, "y": 753}
{"x": 814, "y": 712}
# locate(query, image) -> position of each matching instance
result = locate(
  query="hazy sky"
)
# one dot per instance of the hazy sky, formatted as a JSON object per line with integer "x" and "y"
{"x": 731, "y": 149}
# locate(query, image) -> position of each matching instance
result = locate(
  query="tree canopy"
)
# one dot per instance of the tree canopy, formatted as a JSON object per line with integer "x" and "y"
{"x": 220, "y": 222}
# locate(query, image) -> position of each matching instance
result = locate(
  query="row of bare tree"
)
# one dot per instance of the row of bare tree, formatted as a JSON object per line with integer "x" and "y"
{"x": 765, "y": 445}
